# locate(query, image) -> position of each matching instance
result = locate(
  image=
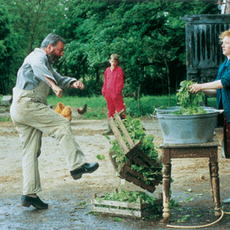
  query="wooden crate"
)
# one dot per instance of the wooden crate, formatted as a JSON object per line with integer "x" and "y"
{"x": 116, "y": 208}
{"x": 134, "y": 155}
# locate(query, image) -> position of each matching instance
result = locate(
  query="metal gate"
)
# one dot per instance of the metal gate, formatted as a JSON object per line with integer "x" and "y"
{"x": 203, "y": 49}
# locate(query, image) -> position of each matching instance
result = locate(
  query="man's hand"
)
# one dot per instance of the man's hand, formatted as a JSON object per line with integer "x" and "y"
{"x": 78, "y": 85}
{"x": 58, "y": 91}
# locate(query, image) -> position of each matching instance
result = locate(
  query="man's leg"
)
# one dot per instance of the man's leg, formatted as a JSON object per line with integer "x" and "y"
{"x": 56, "y": 126}
{"x": 31, "y": 145}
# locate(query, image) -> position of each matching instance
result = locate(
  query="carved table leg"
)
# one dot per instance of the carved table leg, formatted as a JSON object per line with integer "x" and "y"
{"x": 215, "y": 186}
{"x": 166, "y": 188}
{"x": 210, "y": 173}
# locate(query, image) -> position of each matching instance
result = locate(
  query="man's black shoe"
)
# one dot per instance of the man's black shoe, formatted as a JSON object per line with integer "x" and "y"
{"x": 86, "y": 168}
{"x": 36, "y": 202}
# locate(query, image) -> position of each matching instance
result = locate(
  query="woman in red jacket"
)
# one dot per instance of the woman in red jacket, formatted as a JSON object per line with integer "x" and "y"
{"x": 112, "y": 88}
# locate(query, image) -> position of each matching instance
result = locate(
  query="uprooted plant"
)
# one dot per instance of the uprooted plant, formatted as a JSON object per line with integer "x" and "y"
{"x": 189, "y": 102}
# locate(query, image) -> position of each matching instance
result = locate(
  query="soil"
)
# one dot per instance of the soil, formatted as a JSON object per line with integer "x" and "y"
{"x": 190, "y": 187}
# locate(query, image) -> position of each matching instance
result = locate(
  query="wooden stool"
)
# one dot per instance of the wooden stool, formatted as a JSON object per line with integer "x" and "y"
{"x": 198, "y": 150}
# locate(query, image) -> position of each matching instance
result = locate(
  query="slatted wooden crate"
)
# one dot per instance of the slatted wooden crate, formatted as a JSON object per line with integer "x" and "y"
{"x": 136, "y": 210}
{"x": 134, "y": 155}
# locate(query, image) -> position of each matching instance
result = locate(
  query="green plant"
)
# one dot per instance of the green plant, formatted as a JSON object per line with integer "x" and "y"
{"x": 4, "y": 119}
{"x": 128, "y": 196}
{"x": 188, "y": 199}
{"x": 118, "y": 219}
{"x": 100, "y": 157}
{"x": 184, "y": 219}
{"x": 189, "y": 102}
{"x": 173, "y": 203}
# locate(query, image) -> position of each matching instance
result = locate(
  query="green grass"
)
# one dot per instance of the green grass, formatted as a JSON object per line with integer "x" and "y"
{"x": 97, "y": 108}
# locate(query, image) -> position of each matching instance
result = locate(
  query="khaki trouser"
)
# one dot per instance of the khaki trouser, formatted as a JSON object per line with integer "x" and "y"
{"x": 32, "y": 117}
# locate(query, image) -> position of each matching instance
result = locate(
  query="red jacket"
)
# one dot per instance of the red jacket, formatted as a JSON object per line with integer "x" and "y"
{"x": 113, "y": 82}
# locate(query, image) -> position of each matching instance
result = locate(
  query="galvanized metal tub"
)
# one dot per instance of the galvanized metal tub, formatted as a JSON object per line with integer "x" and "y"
{"x": 185, "y": 129}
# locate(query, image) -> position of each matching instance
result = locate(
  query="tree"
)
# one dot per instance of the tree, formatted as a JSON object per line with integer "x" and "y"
{"x": 148, "y": 35}
{"x": 33, "y": 20}
{"x": 25, "y": 23}
{"x": 7, "y": 49}
{"x": 143, "y": 33}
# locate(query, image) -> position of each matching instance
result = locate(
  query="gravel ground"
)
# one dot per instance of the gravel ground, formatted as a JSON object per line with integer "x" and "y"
{"x": 191, "y": 186}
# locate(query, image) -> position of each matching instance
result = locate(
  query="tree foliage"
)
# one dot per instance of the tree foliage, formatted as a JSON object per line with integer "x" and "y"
{"x": 148, "y": 35}
{"x": 32, "y": 19}
{"x": 7, "y": 50}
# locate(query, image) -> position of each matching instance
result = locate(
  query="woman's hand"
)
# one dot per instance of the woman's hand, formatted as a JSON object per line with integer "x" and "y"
{"x": 78, "y": 85}
{"x": 195, "y": 88}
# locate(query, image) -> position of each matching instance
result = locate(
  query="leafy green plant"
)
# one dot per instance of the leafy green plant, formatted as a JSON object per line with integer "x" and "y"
{"x": 128, "y": 196}
{"x": 184, "y": 219}
{"x": 173, "y": 203}
{"x": 188, "y": 199}
{"x": 100, "y": 157}
{"x": 189, "y": 102}
{"x": 118, "y": 219}
{"x": 4, "y": 119}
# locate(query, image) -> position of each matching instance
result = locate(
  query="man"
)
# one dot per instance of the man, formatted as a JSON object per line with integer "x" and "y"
{"x": 112, "y": 89}
{"x": 32, "y": 117}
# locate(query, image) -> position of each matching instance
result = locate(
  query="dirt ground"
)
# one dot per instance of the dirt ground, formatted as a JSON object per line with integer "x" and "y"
{"x": 191, "y": 186}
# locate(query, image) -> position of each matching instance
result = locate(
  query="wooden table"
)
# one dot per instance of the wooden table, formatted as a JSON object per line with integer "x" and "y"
{"x": 198, "y": 150}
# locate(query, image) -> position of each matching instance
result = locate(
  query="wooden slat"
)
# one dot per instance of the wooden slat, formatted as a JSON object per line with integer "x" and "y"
{"x": 134, "y": 158}
{"x": 115, "y": 211}
{"x": 131, "y": 175}
{"x": 137, "y": 182}
{"x": 114, "y": 163}
{"x": 124, "y": 130}
{"x": 117, "y": 204}
{"x": 126, "y": 169}
{"x": 118, "y": 135}
{"x": 121, "y": 113}
{"x": 146, "y": 158}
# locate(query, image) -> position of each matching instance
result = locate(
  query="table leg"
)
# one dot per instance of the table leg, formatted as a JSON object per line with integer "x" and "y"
{"x": 210, "y": 173}
{"x": 215, "y": 187}
{"x": 166, "y": 189}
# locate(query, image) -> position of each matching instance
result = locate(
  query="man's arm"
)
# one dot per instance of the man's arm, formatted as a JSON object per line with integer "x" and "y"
{"x": 57, "y": 90}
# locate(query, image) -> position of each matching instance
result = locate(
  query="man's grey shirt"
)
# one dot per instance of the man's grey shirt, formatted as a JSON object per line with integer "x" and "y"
{"x": 35, "y": 66}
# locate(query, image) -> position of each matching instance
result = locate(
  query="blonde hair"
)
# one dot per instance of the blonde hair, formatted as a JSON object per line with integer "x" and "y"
{"x": 115, "y": 57}
{"x": 224, "y": 34}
